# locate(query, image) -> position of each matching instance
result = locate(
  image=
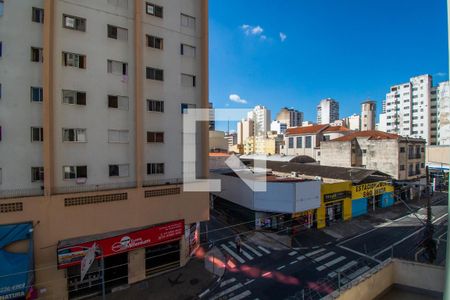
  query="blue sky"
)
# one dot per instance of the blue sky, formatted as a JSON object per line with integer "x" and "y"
{"x": 349, "y": 50}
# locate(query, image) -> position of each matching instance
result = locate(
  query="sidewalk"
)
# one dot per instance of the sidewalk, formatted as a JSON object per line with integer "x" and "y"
{"x": 182, "y": 284}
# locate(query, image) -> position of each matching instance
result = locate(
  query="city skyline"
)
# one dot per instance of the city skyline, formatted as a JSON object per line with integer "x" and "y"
{"x": 264, "y": 69}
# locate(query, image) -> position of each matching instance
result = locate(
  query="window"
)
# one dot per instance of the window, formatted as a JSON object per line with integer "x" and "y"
{"x": 118, "y": 136}
{"x": 119, "y": 3}
{"x": 74, "y": 172}
{"x": 0, "y": 91}
{"x": 119, "y": 170}
{"x": 308, "y": 143}
{"x": 37, "y": 174}
{"x": 74, "y": 60}
{"x": 117, "y": 33}
{"x": 155, "y": 105}
{"x": 74, "y": 135}
{"x": 74, "y": 97}
{"x": 117, "y": 67}
{"x": 37, "y": 15}
{"x": 188, "y": 80}
{"x": 186, "y": 106}
{"x": 402, "y": 149}
{"x": 1, "y": 49}
{"x": 37, "y": 54}
{"x": 37, "y": 94}
{"x": 187, "y": 50}
{"x": 364, "y": 151}
{"x": 119, "y": 102}
{"x": 299, "y": 142}
{"x": 422, "y": 165}
{"x": 402, "y": 167}
{"x": 291, "y": 143}
{"x": 155, "y": 74}
{"x": 154, "y": 10}
{"x": 0, "y": 168}
{"x": 155, "y": 137}
{"x": 1, "y": 14}
{"x": 37, "y": 134}
{"x": 74, "y": 23}
{"x": 155, "y": 168}
{"x": 154, "y": 42}
{"x": 187, "y": 21}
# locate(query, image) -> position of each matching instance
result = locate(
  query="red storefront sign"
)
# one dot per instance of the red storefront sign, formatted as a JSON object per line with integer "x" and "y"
{"x": 73, "y": 254}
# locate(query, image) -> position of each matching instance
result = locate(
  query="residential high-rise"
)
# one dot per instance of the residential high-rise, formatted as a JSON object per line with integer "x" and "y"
{"x": 443, "y": 113}
{"x": 368, "y": 115}
{"x": 327, "y": 111}
{"x": 212, "y": 116}
{"x": 245, "y": 129}
{"x": 261, "y": 120}
{"x": 353, "y": 122}
{"x": 278, "y": 126}
{"x": 91, "y": 115}
{"x": 290, "y": 116}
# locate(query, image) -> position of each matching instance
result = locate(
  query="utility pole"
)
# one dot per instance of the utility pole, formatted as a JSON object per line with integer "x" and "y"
{"x": 428, "y": 242}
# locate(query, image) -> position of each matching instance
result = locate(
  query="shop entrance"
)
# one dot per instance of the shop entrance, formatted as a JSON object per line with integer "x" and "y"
{"x": 162, "y": 258}
{"x": 334, "y": 212}
{"x": 376, "y": 199}
{"x": 116, "y": 271}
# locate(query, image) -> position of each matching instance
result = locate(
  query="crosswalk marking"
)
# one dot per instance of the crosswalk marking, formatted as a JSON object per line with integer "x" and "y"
{"x": 281, "y": 267}
{"x": 325, "y": 256}
{"x": 249, "y": 281}
{"x": 293, "y": 262}
{"x": 300, "y": 258}
{"x": 241, "y": 295}
{"x": 355, "y": 274}
{"x": 227, "y": 291}
{"x": 245, "y": 253}
{"x": 343, "y": 268}
{"x": 330, "y": 263}
{"x": 232, "y": 253}
{"x": 225, "y": 282}
{"x": 251, "y": 249}
{"x": 315, "y": 252}
{"x": 264, "y": 249}
{"x": 292, "y": 253}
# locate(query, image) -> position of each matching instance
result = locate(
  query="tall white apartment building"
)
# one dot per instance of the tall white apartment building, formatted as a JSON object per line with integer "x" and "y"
{"x": 245, "y": 129}
{"x": 327, "y": 111}
{"x": 412, "y": 109}
{"x": 443, "y": 112}
{"x": 261, "y": 119}
{"x": 290, "y": 116}
{"x": 92, "y": 98}
{"x": 353, "y": 122}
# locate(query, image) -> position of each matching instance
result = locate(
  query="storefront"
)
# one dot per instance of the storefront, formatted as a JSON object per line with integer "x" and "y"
{"x": 161, "y": 251}
{"x": 371, "y": 195}
{"x": 335, "y": 203}
{"x": 302, "y": 221}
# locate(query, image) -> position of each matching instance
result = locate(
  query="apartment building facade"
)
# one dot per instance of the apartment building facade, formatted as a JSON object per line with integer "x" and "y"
{"x": 368, "y": 115}
{"x": 260, "y": 116}
{"x": 327, "y": 111}
{"x": 93, "y": 95}
{"x": 443, "y": 113}
{"x": 290, "y": 116}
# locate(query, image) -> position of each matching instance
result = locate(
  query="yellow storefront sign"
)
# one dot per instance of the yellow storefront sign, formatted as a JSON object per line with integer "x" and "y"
{"x": 371, "y": 189}
{"x": 334, "y": 192}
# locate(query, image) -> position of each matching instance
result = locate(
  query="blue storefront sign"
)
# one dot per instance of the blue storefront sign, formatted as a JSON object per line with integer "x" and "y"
{"x": 16, "y": 268}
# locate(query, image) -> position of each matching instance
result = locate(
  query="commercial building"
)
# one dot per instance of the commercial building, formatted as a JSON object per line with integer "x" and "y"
{"x": 353, "y": 122}
{"x": 217, "y": 141}
{"x": 261, "y": 120}
{"x": 91, "y": 113}
{"x": 400, "y": 157}
{"x": 306, "y": 140}
{"x": 290, "y": 116}
{"x": 327, "y": 111}
{"x": 368, "y": 115}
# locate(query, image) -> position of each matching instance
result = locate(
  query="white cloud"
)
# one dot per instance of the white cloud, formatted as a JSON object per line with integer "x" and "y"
{"x": 440, "y": 74}
{"x": 252, "y": 30}
{"x": 237, "y": 99}
{"x": 283, "y": 36}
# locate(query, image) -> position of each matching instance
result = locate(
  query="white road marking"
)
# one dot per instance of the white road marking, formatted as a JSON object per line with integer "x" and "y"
{"x": 232, "y": 253}
{"x": 249, "y": 281}
{"x": 355, "y": 274}
{"x": 324, "y": 256}
{"x": 281, "y": 267}
{"x": 292, "y": 253}
{"x": 293, "y": 262}
{"x": 245, "y": 253}
{"x": 264, "y": 249}
{"x": 330, "y": 263}
{"x": 343, "y": 268}
{"x": 300, "y": 258}
{"x": 251, "y": 249}
{"x": 361, "y": 254}
{"x": 315, "y": 252}
{"x": 225, "y": 282}
{"x": 227, "y": 291}
{"x": 241, "y": 295}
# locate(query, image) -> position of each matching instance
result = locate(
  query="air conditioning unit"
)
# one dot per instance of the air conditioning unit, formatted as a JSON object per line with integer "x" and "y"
{"x": 294, "y": 174}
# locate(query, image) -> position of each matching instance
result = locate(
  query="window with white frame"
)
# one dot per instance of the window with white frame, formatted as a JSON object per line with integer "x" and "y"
{"x": 118, "y": 136}
{"x": 188, "y": 80}
{"x": 77, "y": 135}
{"x": 188, "y": 51}
{"x": 154, "y": 10}
{"x": 37, "y": 174}
{"x": 155, "y": 105}
{"x": 37, "y": 134}
{"x": 74, "y": 23}
{"x": 187, "y": 21}
{"x": 37, "y": 15}
{"x": 117, "y": 67}
{"x": 37, "y": 54}
{"x": 73, "y": 97}
{"x": 155, "y": 168}
{"x": 37, "y": 94}
{"x": 122, "y": 170}
{"x": 74, "y": 60}
{"x": 117, "y": 33}
{"x": 74, "y": 172}
{"x": 119, "y": 102}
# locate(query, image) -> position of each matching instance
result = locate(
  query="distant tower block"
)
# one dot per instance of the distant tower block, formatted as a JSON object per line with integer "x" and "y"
{"x": 368, "y": 115}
